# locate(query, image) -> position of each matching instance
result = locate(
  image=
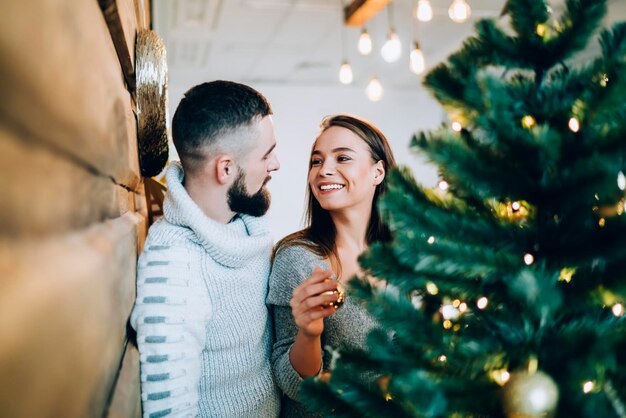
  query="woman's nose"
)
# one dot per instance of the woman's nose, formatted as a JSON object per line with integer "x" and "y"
{"x": 328, "y": 168}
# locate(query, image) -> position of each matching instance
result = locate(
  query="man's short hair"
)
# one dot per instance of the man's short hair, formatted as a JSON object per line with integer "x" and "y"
{"x": 214, "y": 118}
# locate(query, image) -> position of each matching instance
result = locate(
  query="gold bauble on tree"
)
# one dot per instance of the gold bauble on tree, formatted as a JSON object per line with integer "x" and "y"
{"x": 529, "y": 395}
{"x": 341, "y": 296}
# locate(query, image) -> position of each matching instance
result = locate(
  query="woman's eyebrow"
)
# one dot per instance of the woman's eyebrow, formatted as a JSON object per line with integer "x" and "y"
{"x": 339, "y": 149}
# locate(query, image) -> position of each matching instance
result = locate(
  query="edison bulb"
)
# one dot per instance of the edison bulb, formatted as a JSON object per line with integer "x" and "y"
{"x": 459, "y": 11}
{"x": 374, "y": 90}
{"x": 417, "y": 64}
{"x": 424, "y": 11}
{"x": 365, "y": 43}
{"x": 392, "y": 49}
{"x": 345, "y": 73}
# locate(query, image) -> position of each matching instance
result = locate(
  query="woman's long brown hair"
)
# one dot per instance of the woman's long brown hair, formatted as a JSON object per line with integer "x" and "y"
{"x": 320, "y": 234}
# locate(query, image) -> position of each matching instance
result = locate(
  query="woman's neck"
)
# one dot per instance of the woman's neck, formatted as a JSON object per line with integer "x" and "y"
{"x": 351, "y": 226}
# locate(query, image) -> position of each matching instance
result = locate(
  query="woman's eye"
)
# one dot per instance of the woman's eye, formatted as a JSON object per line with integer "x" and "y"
{"x": 343, "y": 158}
{"x": 315, "y": 162}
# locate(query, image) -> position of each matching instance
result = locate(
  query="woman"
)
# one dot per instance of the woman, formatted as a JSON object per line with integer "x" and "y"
{"x": 346, "y": 177}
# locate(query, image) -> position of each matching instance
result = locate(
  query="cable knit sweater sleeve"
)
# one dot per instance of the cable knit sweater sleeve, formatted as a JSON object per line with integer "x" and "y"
{"x": 170, "y": 314}
{"x": 292, "y": 265}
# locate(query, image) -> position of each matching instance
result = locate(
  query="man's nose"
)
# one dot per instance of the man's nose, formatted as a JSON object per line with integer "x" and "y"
{"x": 274, "y": 163}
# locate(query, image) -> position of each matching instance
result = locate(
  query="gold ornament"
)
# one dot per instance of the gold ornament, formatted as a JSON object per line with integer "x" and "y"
{"x": 529, "y": 395}
{"x": 341, "y": 296}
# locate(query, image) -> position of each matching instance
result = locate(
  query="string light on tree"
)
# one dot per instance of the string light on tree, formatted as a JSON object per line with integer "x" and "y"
{"x": 573, "y": 125}
{"x": 566, "y": 274}
{"x": 424, "y": 11}
{"x": 443, "y": 185}
{"x": 365, "y": 43}
{"x": 621, "y": 180}
{"x": 482, "y": 303}
{"x": 529, "y": 259}
{"x": 618, "y": 309}
{"x": 459, "y": 11}
{"x": 500, "y": 376}
{"x": 432, "y": 288}
{"x": 431, "y": 240}
{"x": 456, "y": 126}
{"x": 541, "y": 30}
{"x": 588, "y": 386}
{"x": 528, "y": 122}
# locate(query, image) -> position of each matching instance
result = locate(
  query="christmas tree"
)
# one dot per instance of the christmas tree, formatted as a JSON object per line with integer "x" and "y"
{"x": 505, "y": 292}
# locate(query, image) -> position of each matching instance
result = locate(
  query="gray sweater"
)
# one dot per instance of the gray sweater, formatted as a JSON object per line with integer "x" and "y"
{"x": 348, "y": 327}
{"x": 203, "y": 329}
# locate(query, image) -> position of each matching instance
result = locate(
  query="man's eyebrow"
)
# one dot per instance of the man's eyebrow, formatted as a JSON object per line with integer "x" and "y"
{"x": 339, "y": 149}
{"x": 270, "y": 150}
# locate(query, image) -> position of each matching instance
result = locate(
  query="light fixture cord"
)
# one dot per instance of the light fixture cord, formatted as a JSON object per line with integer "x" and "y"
{"x": 344, "y": 51}
{"x": 390, "y": 15}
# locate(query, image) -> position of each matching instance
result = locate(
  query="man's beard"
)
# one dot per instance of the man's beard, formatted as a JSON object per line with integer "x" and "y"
{"x": 240, "y": 201}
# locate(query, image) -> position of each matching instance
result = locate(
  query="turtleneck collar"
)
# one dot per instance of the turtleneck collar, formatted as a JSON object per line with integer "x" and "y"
{"x": 230, "y": 244}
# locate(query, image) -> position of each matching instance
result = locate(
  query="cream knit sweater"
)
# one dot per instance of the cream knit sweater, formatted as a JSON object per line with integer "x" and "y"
{"x": 202, "y": 325}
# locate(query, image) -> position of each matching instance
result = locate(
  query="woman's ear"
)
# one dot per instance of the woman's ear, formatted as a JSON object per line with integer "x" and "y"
{"x": 225, "y": 169}
{"x": 379, "y": 172}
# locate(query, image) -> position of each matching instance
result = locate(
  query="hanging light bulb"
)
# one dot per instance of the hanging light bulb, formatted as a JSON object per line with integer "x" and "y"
{"x": 424, "y": 12}
{"x": 459, "y": 11}
{"x": 374, "y": 89}
{"x": 365, "y": 43}
{"x": 345, "y": 73}
{"x": 417, "y": 64}
{"x": 392, "y": 49}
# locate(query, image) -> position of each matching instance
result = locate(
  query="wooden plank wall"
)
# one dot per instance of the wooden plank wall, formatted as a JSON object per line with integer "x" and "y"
{"x": 72, "y": 211}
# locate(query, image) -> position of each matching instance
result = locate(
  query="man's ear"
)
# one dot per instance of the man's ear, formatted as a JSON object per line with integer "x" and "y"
{"x": 379, "y": 172}
{"x": 225, "y": 169}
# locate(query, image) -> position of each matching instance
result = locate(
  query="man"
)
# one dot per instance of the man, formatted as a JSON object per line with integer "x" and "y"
{"x": 203, "y": 329}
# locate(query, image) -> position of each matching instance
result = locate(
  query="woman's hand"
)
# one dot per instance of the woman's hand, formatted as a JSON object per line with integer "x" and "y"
{"x": 309, "y": 302}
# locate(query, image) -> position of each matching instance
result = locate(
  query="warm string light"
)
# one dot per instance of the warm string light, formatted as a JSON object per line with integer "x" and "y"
{"x": 618, "y": 309}
{"x": 482, "y": 303}
{"x": 424, "y": 11}
{"x": 416, "y": 61}
{"x": 431, "y": 240}
{"x": 432, "y": 288}
{"x": 459, "y": 11}
{"x": 456, "y": 126}
{"x": 528, "y": 122}
{"x": 345, "y": 73}
{"x": 529, "y": 259}
{"x": 574, "y": 125}
{"x": 374, "y": 89}
{"x": 365, "y": 43}
{"x": 621, "y": 180}
{"x": 500, "y": 376}
{"x": 392, "y": 49}
{"x": 588, "y": 386}
{"x": 443, "y": 185}
{"x": 566, "y": 274}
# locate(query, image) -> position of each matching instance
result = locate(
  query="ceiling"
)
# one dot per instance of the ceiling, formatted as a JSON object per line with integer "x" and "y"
{"x": 298, "y": 41}
{"x": 302, "y": 42}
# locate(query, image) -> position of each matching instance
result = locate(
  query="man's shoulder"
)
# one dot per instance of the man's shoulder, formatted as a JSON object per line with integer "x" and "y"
{"x": 164, "y": 233}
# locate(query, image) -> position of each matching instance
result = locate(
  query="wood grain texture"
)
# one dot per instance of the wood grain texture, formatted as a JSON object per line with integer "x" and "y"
{"x": 64, "y": 305}
{"x": 126, "y": 401}
{"x": 62, "y": 85}
{"x": 44, "y": 193}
